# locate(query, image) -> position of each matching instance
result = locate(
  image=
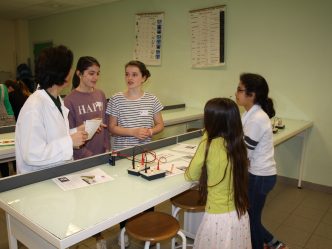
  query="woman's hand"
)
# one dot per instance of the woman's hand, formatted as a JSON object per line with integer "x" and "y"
{"x": 81, "y": 127}
{"x": 79, "y": 138}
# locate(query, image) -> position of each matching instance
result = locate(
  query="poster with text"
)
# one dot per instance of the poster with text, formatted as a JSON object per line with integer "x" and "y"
{"x": 149, "y": 32}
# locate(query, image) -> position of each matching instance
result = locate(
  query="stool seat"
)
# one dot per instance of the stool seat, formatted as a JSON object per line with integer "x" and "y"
{"x": 188, "y": 200}
{"x": 153, "y": 226}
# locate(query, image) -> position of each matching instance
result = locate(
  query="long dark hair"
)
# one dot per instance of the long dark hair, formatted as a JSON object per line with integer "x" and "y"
{"x": 222, "y": 119}
{"x": 255, "y": 83}
{"x": 83, "y": 64}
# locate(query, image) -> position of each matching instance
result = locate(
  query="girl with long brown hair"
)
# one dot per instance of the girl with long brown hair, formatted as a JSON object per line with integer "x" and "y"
{"x": 220, "y": 164}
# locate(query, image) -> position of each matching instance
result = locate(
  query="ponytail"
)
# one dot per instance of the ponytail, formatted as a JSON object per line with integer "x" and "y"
{"x": 268, "y": 107}
{"x": 255, "y": 83}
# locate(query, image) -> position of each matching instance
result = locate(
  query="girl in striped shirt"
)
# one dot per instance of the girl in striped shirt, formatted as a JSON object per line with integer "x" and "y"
{"x": 135, "y": 115}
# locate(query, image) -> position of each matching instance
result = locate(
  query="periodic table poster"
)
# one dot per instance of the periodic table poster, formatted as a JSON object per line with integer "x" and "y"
{"x": 148, "y": 31}
{"x": 207, "y": 36}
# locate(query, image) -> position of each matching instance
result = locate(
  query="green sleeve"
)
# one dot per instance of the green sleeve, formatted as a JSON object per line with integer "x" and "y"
{"x": 193, "y": 172}
{"x": 6, "y": 101}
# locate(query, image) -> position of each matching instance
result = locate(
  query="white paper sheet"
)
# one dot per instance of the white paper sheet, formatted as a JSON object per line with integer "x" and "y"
{"x": 74, "y": 181}
{"x": 91, "y": 127}
{"x": 174, "y": 168}
{"x": 186, "y": 148}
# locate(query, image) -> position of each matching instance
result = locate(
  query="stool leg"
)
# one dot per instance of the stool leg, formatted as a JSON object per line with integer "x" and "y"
{"x": 122, "y": 238}
{"x": 146, "y": 245}
{"x": 173, "y": 243}
{"x": 175, "y": 211}
{"x": 184, "y": 239}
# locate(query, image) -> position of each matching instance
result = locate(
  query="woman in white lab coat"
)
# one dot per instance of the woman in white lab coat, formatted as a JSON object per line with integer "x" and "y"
{"x": 42, "y": 135}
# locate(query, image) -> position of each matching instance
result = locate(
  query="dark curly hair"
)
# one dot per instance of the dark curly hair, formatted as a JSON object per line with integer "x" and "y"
{"x": 53, "y": 66}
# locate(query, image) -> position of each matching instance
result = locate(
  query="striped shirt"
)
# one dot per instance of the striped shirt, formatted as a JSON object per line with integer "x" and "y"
{"x": 258, "y": 137}
{"x": 133, "y": 114}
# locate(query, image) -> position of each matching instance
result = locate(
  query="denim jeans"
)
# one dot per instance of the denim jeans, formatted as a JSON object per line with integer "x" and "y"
{"x": 259, "y": 187}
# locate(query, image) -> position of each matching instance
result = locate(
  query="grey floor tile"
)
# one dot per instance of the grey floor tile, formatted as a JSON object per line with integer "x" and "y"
{"x": 292, "y": 236}
{"x": 327, "y": 218}
{"x": 301, "y": 223}
{"x": 324, "y": 230}
{"x": 318, "y": 242}
{"x": 309, "y": 212}
{"x": 317, "y": 201}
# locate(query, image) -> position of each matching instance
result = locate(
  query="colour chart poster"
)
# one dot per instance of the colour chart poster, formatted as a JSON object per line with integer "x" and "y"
{"x": 149, "y": 32}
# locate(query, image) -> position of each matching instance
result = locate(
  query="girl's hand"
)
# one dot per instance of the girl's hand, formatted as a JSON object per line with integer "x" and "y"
{"x": 101, "y": 126}
{"x": 141, "y": 133}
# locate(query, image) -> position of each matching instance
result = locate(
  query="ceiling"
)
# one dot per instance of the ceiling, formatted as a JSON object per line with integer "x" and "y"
{"x": 30, "y": 9}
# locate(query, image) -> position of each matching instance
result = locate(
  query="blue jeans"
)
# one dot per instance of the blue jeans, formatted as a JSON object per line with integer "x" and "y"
{"x": 259, "y": 187}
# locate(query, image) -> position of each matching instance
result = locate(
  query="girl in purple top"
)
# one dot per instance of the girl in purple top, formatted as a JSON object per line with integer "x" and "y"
{"x": 87, "y": 102}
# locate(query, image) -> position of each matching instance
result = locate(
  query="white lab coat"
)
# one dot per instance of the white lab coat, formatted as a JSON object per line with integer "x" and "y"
{"x": 42, "y": 137}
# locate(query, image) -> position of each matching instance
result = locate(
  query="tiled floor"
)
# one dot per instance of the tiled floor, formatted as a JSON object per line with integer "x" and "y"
{"x": 300, "y": 218}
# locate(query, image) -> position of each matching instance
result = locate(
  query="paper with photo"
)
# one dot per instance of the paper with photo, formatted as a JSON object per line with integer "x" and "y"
{"x": 174, "y": 168}
{"x": 74, "y": 181}
{"x": 91, "y": 126}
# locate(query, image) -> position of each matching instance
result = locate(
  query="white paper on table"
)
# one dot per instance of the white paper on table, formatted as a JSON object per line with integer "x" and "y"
{"x": 169, "y": 155}
{"x": 91, "y": 126}
{"x": 187, "y": 148}
{"x": 80, "y": 180}
{"x": 174, "y": 168}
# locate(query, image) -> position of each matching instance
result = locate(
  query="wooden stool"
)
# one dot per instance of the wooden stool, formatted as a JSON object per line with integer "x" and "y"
{"x": 152, "y": 227}
{"x": 188, "y": 201}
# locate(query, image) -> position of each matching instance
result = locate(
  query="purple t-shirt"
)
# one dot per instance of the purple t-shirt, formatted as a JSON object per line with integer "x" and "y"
{"x": 85, "y": 106}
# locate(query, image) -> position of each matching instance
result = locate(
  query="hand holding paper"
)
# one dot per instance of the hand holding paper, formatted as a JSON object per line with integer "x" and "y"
{"x": 91, "y": 126}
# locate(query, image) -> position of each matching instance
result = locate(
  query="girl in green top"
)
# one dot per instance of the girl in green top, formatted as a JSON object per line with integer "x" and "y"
{"x": 221, "y": 166}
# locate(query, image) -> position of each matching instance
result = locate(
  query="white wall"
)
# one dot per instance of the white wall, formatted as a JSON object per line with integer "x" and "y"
{"x": 14, "y": 46}
{"x": 7, "y": 48}
{"x": 288, "y": 42}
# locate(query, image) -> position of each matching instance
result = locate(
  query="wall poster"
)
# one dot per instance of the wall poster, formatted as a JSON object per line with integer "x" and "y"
{"x": 208, "y": 37}
{"x": 148, "y": 31}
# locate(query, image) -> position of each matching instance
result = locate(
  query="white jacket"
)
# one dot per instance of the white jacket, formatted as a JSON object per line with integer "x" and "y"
{"x": 42, "y": 136}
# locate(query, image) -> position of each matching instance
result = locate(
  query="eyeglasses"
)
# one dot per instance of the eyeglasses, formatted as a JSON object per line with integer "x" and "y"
{"x": 240, "y": 90}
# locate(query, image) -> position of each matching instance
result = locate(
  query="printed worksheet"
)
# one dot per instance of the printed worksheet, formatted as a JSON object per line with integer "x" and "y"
{"x": 81, "y": 180}
{"x": 185, "y": 148}
{"x": 174, "y": 168}
{"x": 169, "y": 155}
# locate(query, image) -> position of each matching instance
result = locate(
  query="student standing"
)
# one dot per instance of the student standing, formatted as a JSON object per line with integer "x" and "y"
{"x": 135, "y": 115}
{"x": 17, "y": 96}
{"x": 87, "y": 102}
{"x": 42, "y": 135}
{"x": 252, "y": 94}
{"x": 220, "y": 164}
{"x": 6, "y": 119}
